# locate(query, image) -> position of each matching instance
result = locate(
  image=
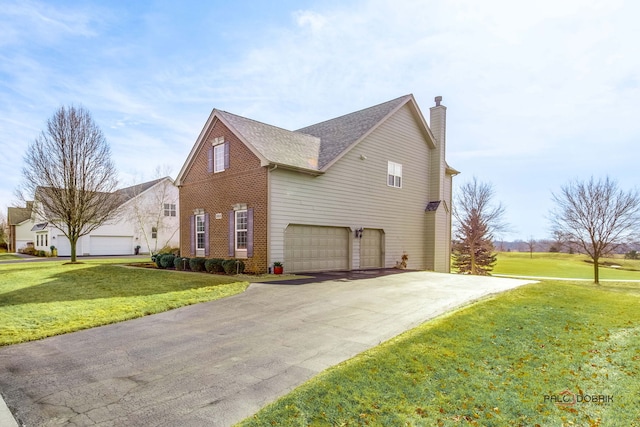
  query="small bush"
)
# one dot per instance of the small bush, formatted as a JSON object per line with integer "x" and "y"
{"x": 158, "y": 260}
{"x": 233, "y": 266}
{"x": 166, "y": 260}
{"x": 197, "y": 264}
{"x": 214, "y": 265}
{"x": 4, "y": 245}
{"x": 42, "y": 253}
{"x": 29, "y": 250}
{"x": 181, "y": 264}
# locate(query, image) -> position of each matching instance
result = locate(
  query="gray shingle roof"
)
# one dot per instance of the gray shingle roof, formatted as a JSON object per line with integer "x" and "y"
{"x": 128, "y": 193}
{"x": 17, "y": 215}
{"x": 315, "y": 146}
{"x": 340, "y": 133}
{"x": 275, "y": 144}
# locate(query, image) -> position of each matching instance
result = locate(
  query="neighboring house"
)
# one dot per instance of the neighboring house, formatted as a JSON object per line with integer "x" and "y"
{"x": 354, "y": 192}
{"x": 20, "y": 224}
{"x": 148, "y": 218}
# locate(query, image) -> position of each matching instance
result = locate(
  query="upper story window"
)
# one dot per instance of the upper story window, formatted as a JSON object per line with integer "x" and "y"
{"x": 154, "y": 232}
{"x": 218, "y": 158}
{"x": 394, "y": 175}
{"x": 169, "y": 209}
{"x": 218, "y": 155}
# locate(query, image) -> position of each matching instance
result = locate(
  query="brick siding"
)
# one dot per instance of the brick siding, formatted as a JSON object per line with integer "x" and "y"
{"x": 244, "y": 182}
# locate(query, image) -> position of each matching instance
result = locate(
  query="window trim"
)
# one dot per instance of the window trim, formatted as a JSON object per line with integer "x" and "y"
{"x": 170, "y": 209}
{"x": 237, "y": 230}
{"x": 218, "y": 158}
{"x": 394, "y": 174}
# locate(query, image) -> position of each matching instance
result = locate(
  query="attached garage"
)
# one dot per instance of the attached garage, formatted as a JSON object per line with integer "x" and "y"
{"x": 316, "y": 248}
{"x": 371, "y": 248}
{"x": 111, "y": 245}
{"x": 63, "y": 245}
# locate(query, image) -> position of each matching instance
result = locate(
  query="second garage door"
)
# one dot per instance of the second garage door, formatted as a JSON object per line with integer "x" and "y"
{"x": 111, "y": 245}
{"x": 316, "y": 248}
{"x": 371, "y": 246}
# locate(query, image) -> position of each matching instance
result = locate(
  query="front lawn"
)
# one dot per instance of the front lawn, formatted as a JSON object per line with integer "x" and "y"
{"x": 4, "y": 256}
{"x": 41, "y": 299}
{"x": 500, "y": 362}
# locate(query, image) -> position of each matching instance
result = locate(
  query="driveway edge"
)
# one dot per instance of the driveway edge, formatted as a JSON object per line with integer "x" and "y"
{"x": 6, "y": 417}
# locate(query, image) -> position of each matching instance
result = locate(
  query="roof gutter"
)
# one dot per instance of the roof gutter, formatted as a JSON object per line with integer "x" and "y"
{"x": 313, "y": 172}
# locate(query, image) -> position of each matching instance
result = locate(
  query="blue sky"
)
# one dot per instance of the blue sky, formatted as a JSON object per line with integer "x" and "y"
{"x": 538, "y": 93}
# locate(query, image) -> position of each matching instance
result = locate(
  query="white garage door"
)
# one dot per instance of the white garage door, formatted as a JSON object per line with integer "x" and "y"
{"x": 111, "y": 245}
{"x": 371, "y": 248}
{"x": 62, "y": 245}
{"x": 315, "y": 248}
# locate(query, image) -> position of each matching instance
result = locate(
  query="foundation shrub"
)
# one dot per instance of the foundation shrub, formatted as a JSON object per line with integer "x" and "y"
{"x": 197, "y": 264}
{"x": 214, "y": 265}
{"x": 166, "y": 260}
{"x": 233, "y": 266}
{"x": 181, "y": 264}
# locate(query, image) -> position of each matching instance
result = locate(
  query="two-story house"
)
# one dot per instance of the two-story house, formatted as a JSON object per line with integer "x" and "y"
{"x": 354, "y": 192}
{"x": 146, "y": 222}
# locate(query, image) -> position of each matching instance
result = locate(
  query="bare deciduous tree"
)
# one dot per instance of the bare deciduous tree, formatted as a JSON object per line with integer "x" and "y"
{"x": 597, "y": 216}
{"x": 477, "y": 219}
{"x": 531, "y": 244}
{"x": 69, "y": 170}
{"x": 149, "y": 215}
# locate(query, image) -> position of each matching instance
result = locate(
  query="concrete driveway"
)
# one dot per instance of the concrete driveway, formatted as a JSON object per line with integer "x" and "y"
{"x": 216, "y": 363}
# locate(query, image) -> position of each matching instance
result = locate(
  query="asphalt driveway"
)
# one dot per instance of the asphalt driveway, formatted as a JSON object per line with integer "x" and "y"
{"x": 216, "y": 363}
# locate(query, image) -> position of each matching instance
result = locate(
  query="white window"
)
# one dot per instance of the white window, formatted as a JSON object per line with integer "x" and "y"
{"x": 241, "y": 230}
{"x": 169, "y": 209}
{"x": 218, "y": 158}
{"x": 154, "y": 232}
{"x": 394, "y": 175}
{"x": 199, "y": 231}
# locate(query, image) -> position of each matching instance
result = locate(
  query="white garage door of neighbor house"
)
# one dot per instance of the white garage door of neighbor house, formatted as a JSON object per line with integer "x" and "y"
{"x": 111, "y": 245}
{"x": 371, "y": 248}
{"x": 316, "y": 248}
{"x": 62, "y": 245}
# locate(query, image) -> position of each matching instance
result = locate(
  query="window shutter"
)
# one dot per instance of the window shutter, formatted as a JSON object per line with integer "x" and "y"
{"x": 206, "y": 234}
{"x": 232, "y": 233}
{"x": 210, "y": 160}
{"x": 226, "y": 155}
{"x": 192, "y": 221}
{"x": 250, "y": 232}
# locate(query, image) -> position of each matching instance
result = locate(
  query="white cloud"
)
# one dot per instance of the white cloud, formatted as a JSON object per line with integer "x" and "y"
{"x": 540, "y": 87}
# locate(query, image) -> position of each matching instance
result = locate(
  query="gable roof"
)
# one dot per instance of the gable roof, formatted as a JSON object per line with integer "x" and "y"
{"x": 314, "y": 148}
{"x": 338, "y": 134}
{"x": 123, "y": 195}
{"x": 129, "y": 193}
{"x": 274, "y": 144}
{"x": 17, "y": 215}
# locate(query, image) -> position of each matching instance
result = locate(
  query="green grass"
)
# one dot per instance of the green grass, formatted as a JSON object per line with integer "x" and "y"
{"x": 6, "y": 256}
{"x": 489, "y": 364}
{"x": 41, "y": 299}
{"x": 564, "y": 266}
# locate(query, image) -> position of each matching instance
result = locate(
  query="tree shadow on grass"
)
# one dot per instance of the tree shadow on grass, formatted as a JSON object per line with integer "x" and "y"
{"x": 108, "y": 281}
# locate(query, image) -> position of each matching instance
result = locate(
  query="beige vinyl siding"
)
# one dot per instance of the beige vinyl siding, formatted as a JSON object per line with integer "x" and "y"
{"x": 371, "y": 248}
{"x": 354, "y": 193}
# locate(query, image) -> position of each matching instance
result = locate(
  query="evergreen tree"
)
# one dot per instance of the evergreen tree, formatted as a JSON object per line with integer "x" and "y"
{"x": 477, "y": 219}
